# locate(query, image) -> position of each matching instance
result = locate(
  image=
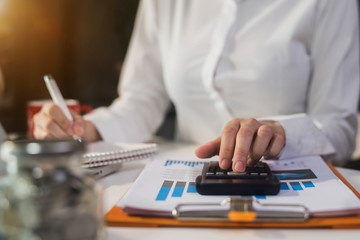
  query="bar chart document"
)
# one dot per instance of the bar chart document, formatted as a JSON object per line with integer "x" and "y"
{"x": 164, "y": 183}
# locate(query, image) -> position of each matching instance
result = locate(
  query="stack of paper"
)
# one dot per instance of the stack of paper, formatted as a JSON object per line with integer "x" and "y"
{"x": 165, "y": 183}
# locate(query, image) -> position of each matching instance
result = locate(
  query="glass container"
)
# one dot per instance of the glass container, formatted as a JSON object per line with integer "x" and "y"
{"x": 46, "y": 194}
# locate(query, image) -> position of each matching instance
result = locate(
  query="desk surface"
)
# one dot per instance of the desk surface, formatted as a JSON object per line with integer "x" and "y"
{"x": 117, "y": 184}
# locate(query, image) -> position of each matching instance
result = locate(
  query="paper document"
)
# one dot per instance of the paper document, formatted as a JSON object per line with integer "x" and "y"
{"x": 165, "y": 183}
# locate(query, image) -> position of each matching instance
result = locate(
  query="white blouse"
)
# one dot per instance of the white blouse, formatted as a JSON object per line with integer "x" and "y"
{"x": 292, "y": 61}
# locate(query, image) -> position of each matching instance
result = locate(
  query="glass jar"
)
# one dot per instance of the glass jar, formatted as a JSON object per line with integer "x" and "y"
{"x": 46, "y": 194}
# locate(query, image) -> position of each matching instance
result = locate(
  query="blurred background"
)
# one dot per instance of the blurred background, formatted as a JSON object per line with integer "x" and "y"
{"x": 81, "y": 43}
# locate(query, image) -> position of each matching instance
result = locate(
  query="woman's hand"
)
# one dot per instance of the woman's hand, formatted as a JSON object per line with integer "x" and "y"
{"x": 51, "y": 122}
{"x": 245, "y": 141}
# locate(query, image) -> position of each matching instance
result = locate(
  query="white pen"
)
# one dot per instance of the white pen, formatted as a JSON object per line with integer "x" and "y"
{"x": 58, "y": 99}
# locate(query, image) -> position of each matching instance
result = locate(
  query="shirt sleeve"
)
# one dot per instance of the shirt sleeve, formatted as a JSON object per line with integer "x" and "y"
{"x": 143, "y": 101}
{"x": 328, "y": 127}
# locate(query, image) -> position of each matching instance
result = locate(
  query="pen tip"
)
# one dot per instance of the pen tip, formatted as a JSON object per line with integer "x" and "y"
{"x": 47, "y": 78}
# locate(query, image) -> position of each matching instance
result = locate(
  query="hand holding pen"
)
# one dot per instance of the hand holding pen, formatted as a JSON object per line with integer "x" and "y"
{"x": 58, "y": 99}
{"x": 56, "y": 121}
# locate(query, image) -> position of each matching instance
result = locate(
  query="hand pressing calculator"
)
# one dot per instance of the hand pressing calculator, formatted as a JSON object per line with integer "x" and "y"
{"x": 256, "y": 180}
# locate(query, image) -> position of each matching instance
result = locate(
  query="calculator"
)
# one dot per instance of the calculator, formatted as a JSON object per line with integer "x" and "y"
{"x": 255, "y": 180}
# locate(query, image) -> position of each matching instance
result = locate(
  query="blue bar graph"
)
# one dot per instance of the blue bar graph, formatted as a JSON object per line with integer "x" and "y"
{"x": 179, "y": 189}
{"x": 296, "y": 186}
{"x": 191, "y": 188}
{"x": 284, "y": 186}
{"x": 185, "y": 163}
{"x": 308, "y": 184}
{"x": 164, "y": 191}
{"x": 260, "y": 197}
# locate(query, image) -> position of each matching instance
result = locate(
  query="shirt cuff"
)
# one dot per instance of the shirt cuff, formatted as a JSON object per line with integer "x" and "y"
{"x": 303, "y": 138}
{"x": 107, "y": 125}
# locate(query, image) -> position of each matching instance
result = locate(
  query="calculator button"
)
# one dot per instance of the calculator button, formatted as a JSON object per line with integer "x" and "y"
{"x": 263, "y": 174}
{"x": 254, "y": 174}
{"x": 237, "y": 174}
{"x": 210, "y": 173}
{"x": 220, "y": 171}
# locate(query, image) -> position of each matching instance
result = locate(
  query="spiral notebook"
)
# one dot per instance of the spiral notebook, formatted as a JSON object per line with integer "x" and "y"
{"x": 103, "y": 158}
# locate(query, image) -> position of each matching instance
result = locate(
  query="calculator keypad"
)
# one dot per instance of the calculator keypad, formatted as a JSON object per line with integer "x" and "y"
{"x": 258, "y": 171}
{"x": 256, "y": 180}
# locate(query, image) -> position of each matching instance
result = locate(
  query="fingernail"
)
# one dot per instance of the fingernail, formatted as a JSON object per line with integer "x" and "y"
{"x": 69, "y": 130}
{"x": 239, "y": 166}
{"x": 79, "y": 130}
{"x": 225, "y": 163}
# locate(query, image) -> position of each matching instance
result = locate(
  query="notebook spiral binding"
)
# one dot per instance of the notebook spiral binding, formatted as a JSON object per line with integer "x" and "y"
{"x": 120, "y": 156}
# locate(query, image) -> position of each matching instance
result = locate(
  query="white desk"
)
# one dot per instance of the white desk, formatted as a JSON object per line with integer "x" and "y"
{"x": 117, "y": 184}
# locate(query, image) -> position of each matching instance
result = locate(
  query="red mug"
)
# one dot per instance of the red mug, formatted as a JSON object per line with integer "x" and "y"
{"x": 33, "y": 107}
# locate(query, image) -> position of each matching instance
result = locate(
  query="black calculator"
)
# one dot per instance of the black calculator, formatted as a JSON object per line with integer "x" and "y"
{"x": 256, "y": 180}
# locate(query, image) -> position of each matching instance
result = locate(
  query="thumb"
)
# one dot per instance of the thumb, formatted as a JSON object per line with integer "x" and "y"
{"x": 209, "y": 149}
{"x": 78, "y": 125}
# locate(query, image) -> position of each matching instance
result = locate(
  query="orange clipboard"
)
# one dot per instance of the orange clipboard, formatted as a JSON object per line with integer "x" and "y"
{"x": 116, "y": 217}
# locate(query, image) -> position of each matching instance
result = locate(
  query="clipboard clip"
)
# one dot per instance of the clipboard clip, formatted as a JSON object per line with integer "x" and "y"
{"x": 241, "y": 210}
